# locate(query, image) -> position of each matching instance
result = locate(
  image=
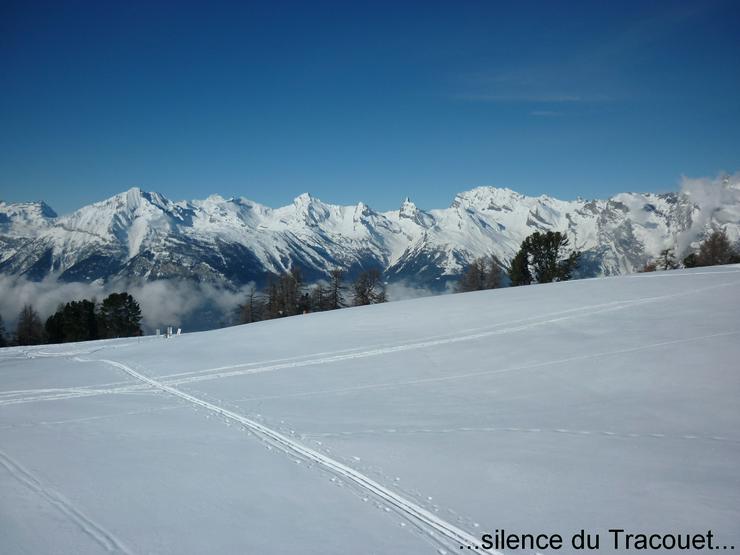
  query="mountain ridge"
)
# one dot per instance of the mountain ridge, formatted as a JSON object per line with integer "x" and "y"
{"x": 144, "y": 235}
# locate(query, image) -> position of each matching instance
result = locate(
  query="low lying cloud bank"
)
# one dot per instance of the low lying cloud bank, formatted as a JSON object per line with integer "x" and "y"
{"x": 193, "y": 306}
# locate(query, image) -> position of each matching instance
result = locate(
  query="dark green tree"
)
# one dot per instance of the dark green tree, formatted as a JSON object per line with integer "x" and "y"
{"x": 120, "y": 316}
{"x": 543, "y": 258}
{"x": 519, "y": 273}
{"x": 54, "y": 326}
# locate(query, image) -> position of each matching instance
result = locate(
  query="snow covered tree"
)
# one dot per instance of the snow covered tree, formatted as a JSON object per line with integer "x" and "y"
{"x": 29, "y": 330}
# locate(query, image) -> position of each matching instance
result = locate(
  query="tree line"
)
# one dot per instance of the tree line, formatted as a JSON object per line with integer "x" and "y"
{"x": 288, "y": 295}
{"x": 119, "y": 315}
{"x": 715, "y": 250}
{"x": 542, "y": 258}
{"x": 546, "y": 257}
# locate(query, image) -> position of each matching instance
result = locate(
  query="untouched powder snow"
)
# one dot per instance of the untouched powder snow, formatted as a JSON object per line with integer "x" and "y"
{"x": 412, "y": 427}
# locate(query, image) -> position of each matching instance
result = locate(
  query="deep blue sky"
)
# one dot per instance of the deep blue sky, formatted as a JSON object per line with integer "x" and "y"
{"x": 371, "y": 102}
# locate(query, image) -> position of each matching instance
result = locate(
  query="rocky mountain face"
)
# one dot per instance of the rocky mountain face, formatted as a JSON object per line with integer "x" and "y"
{"x": 230, "y": 242}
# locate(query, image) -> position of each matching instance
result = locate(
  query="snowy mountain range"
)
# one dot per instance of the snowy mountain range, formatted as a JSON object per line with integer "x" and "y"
{"x": 144, "y": 235}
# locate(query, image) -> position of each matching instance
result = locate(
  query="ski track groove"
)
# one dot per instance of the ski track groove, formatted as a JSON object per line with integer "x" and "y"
{"x": 412, "y": 512}
{"x": 535, "y": 365}
{"x": 88, "y": 526}
{"x": 492, "y": 429}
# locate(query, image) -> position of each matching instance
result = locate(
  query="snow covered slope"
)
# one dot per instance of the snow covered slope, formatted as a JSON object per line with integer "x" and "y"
{"x": 234, "y": 241}
{"x": 411, "y": 427}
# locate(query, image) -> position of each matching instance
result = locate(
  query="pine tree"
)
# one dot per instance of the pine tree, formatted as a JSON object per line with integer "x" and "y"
{"x": 519, "y": 273}
{"x": 542, "y": 258}
{"x": 54, "y": 326}
{"x": 120, "y": 316}
{"x": 29, "y": 330}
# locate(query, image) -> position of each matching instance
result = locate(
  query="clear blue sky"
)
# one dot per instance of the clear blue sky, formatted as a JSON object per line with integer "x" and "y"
{"x": 364, "y": 101}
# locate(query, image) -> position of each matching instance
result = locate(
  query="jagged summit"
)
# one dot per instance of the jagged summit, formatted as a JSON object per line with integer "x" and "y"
{"x": 144, "y": 235}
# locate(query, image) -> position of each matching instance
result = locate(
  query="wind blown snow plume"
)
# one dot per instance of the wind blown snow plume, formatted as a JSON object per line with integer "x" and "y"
{"x": 719, "y": 199}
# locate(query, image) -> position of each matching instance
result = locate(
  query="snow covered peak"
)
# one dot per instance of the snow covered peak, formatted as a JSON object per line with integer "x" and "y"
{"x": 486, "y": 198}
{"x": 303, "y": 199}
{"x": 408, "y": 209}
{"x": 23, "y": 218}
{"x": 238, "y": 240}
{"x": 410, "y": 212}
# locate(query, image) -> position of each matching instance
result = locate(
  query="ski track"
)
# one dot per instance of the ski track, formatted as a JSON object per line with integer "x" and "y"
{"x": 88, "y": 526}
{"x": 84, "y": 419}
{"x": 76, "y": 393}
{"x": 351, "y": 354}
{"x": 527, "y": 430}
{"x": 423, "y": 344}
{"x": 453, "y": 377}
{"x": 410, "y": 510}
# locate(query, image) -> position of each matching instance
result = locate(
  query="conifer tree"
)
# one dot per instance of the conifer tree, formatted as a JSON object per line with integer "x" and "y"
{"x": 542, "y": 258}
{"x": 120, "y": 316}
{"x": 519, "y": 273}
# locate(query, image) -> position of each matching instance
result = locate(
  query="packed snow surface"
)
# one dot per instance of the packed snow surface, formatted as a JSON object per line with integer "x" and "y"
{"x": 412, "y": 427}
